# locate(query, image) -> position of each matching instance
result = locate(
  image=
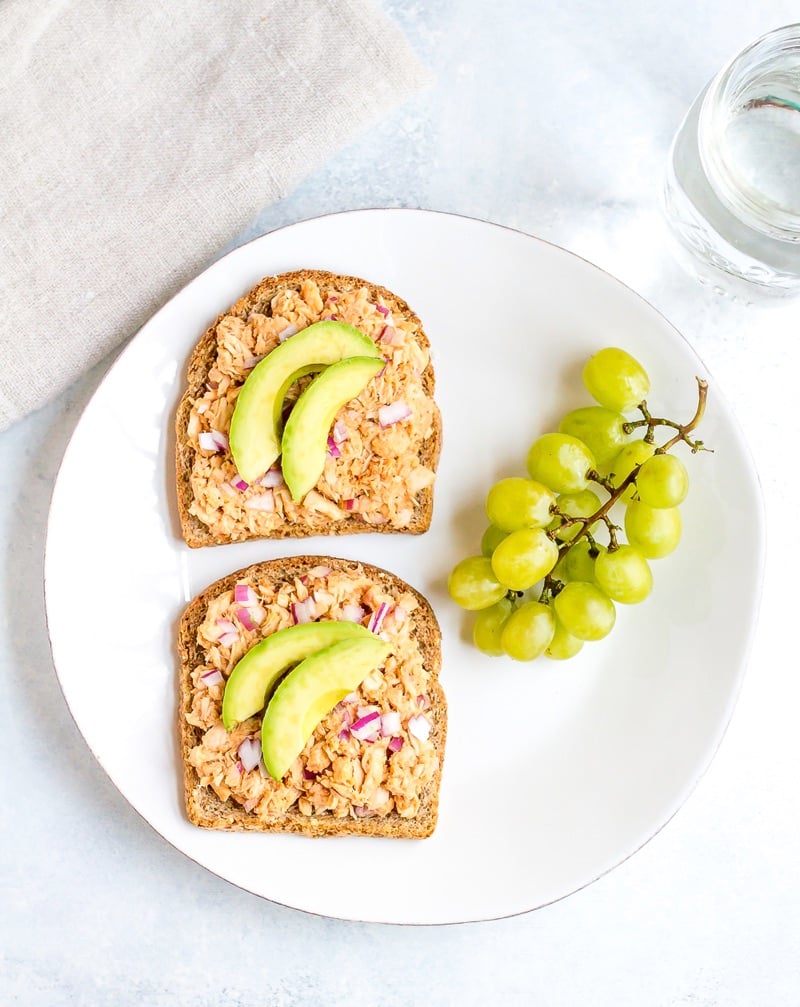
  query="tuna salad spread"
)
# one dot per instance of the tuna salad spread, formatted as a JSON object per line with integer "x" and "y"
{"x": 376, "y": 464}
{"x": 372, "y": 755}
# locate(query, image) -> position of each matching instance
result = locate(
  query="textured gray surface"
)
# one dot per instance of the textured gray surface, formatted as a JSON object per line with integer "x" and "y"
{"x": 556, "y": 120}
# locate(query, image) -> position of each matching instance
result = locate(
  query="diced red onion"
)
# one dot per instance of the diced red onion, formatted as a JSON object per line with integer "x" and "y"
{"x": 365, "y": 711}
{"x": 239, "y": 483}
{"x": 329, "y": 318}
{"x": 308, "y": 775}
{"x": 226, "y": 625}
{"x": 285, "y": 333}
{"x": 214, "y": 677}
{"x": 303, "y": 611}
{"x": 361, "y": 812}
{"x": 387, "y": 415}
{"x": 257, "y": 614}
{"x": 333, "y": 448}
{"x": 331, "y": 298}
{"x": 244, "y": 618}
{"x": 319, "y": 571}
{"x": 228, "y": 639}
{"x": 250, "y": 804}
{"x": 383, "y": 309}
{"x": 388, "y": 334}
{"x": 263, "y": 502}
{"x": 349, "y": 504}
{"x": 423, "y": 702}
{"x": 372, "y": 738}
{"x": 377, "y": 617}
{"x": 213, "y": 440}
{"x": 365, "y": 726}
{"x": 351, "y": 697}
{"x": 274, "y": 477}
{"x": 395, "y": 744}
{"x": 251, "y": 362}
{"x": 344, "y": 734}
{"x": 352, "y": 613}
{"x": 385, "y": 365}
{"x": 340, "y": 433}
{"x": 390, "y": 724}
{"x": 249, "y": 753}
{"x": 399, "y": 615}
{"x": 419, "y": 727}
{"x": 244, "y": 595}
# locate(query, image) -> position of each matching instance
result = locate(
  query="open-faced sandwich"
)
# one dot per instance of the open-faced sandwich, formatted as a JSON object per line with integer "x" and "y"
{"x": 309, "y": 410}
{"x": 310, "y": 702}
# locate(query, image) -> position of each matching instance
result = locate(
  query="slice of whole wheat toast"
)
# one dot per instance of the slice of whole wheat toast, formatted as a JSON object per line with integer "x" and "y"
{"x": 382, "y": 478}
{"x": 314, "y": 798}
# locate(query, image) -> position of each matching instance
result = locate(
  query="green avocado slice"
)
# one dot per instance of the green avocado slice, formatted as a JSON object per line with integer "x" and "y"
{"x": 254, "y": 435}
{"x": 305, "y": 436}
{"x": 309, "y": 692}
{"x": 255, "y": 675}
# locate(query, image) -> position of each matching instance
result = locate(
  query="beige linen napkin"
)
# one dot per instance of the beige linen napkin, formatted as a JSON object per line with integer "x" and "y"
{"x": 137, "y": 138}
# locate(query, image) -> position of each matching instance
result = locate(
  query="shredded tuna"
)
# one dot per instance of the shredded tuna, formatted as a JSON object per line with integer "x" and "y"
{"x": 379, "y": 467}
{"x": 336, "y": 773}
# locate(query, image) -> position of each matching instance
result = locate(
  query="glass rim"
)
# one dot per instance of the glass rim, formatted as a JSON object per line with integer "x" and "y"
{"x": 762, "y": 213}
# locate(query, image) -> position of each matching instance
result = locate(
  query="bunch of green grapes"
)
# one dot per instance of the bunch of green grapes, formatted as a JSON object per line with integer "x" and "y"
{"x": 554, "y": 564}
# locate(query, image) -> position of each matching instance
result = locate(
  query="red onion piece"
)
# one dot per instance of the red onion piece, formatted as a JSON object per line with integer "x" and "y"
{"x": 383, "y": 309}
{"x": 365, "y": 711}
{"x": 423, "y": 702}
{"x": 239, "y": 483}
{"x": 226, "y": 626}
{"x": 257, "y": 614}
{"x": 272, "y": 478}
{"x": 376, "y": 619}
{"x": 351, "y": 697}
{"x": 387, "y": 415}
{"x": 245, "y": 595}
{"x": 344, "y": 734}
{"x": 213, "y": 440}
{"x": 333, "y": 448}
{"x": 352, "y": 613}
{"x": 251, "y": 362}
{"x": 390, "y": 724}
{"x": 319, "y": 571}
{"x": 388, "y": 335}
{"x": 249, "y": 753}
{"x": 349, "y": 504}
{"x": 228, "y": 639}
{"x": 303, "y": 611}
{"x": 395, "y": 744}
{"x": 250, "y": 804}
{"x": 212, "y": 677}
{"x": 308, "y": 775}
{"x": 365, "y": 726}
{"x": 244, "y": 618}
{"x": 285, "y": 333}
{"x": 340, "y": 433}
{"x": 363, "y": 812}
{"x": 419, "y": 727}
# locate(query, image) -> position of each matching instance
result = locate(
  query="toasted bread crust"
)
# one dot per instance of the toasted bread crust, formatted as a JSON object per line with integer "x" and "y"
{"x": 195, "y": 533}
{"x": 203, "y": 806}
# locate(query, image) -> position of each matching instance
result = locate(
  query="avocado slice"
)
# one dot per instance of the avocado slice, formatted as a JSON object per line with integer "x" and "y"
{"x": 255, "y": 675}
{"x": 309, "y": 693}
{"x": 255, "y": 425}
{"x": 305, "y": 436}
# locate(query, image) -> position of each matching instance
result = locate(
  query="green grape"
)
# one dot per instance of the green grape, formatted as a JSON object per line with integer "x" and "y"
{"x": 488, "y": 627}
{"x": 560, "y": 462}
{"x": 563, "y": 645}
{"x": 519, "y": 503}
{"x": 624, "y": 575}
{"x": 524, "y": 557}
{"x": 473, "y": 585}
{"x": 662, "y": 481}
{"x": 585, "y": 611}
{"x": 616, "y": 379}
{"x": 633, "y": 454}
{"x": 528, "y": 631}
{"x": 600, "y": 429}
{"x": 579, "y": 562}
{"x": 581, "y": 504}
{"x": 492, "y": 538}
{"x": 654, "y": 531}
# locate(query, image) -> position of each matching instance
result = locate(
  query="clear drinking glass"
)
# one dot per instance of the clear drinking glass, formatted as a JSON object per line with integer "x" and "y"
{"x": 732, "y": 190}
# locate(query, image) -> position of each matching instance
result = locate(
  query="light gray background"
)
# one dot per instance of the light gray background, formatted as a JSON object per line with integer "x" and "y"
{"x": 556, "y": 119}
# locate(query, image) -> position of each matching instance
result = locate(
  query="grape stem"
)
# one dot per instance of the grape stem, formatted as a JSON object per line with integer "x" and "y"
{"x": 552, "y": 585}
{"x": 683, "y": 429}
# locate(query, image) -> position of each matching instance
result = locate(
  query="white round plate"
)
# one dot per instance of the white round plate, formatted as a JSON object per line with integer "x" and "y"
{"x": 555, "y": 772}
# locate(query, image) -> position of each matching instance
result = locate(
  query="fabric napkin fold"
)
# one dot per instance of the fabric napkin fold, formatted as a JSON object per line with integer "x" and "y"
{"x": 138, "y": 138}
